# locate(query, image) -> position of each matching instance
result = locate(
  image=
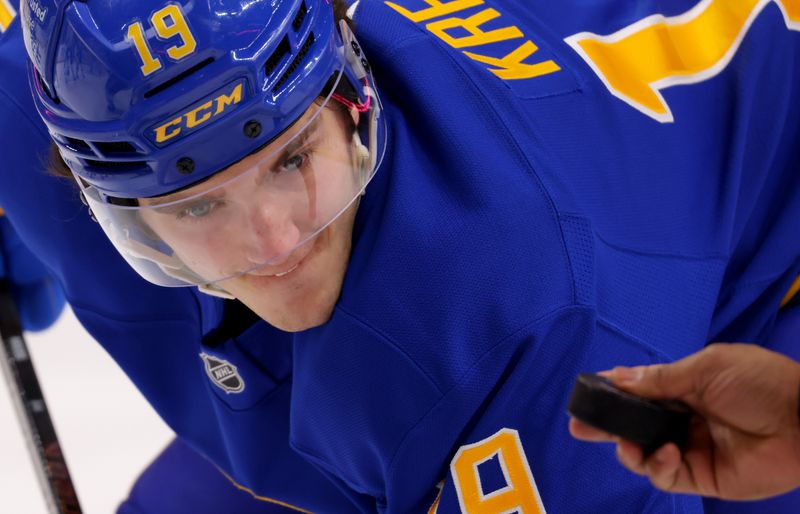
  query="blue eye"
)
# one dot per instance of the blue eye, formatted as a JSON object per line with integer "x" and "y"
{"x": 294, "y": 163}
{"x": 197, "y": 210}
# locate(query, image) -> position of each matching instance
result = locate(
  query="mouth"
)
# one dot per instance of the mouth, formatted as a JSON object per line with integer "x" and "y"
{"x": 276, "y": 273}
{"x": 284, "y": 273}
{"x": 285, "y": 269}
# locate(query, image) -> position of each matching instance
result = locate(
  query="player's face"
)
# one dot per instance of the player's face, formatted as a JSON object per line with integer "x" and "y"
{"x": 258, "y": 221}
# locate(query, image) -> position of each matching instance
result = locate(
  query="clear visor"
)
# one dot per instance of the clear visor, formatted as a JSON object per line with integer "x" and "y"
{"x": 260, "y": 215}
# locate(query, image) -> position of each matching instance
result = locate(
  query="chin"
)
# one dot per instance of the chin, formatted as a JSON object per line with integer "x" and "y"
{"x": 305, "y": 321}
{"x": 305, "y": 297}
{"x": 301, "y": 300}
{"x": 295, "y": 316}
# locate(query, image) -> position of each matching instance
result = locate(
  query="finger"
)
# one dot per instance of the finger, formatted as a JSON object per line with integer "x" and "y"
{"x": 631, "y": 456}
{"x": 676, "y": 479}
{"x": 676, "y": 380}
{"x": 663, "y": 467}
{"x": 584, "y": 432}
{"x": 689, "y": 473}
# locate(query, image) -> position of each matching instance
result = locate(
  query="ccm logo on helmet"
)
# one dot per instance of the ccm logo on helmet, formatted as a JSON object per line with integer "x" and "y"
{"x": 210, "y": 108}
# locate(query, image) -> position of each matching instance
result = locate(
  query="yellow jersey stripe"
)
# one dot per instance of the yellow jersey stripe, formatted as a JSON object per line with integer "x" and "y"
{"x": 435, "y": 506}
{"x": 263, "y": 498}
{"x": 791, "y": 292}
{"x": 7, "y": 14}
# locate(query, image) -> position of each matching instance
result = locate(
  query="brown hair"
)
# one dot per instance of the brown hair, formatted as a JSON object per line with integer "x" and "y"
{"x": 55, "y": 163}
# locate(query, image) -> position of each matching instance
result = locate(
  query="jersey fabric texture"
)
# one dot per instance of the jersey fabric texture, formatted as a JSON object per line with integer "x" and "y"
{"x": 519, "y": 231}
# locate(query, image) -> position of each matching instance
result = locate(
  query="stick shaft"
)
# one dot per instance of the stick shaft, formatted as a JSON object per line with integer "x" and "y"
{"x": 40, "y": 434}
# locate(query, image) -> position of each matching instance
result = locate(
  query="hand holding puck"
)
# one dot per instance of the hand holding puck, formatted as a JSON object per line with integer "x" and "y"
{"x": 648, "y": 423}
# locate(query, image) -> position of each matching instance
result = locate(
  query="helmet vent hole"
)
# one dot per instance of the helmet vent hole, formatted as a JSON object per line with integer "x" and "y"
{"x": 298, "y": 60}
{"x": 115, "y": 147}
{"x": 77, "y": 144}
{"x": 277, "y": 56}
{"x": 115, "y": 165}
{"x": 177, "y": 78}
{"x": 299, "y": 17}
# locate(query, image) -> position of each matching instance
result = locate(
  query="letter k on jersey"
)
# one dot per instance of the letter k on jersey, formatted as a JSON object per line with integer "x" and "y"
{"x": 640, "y": 60}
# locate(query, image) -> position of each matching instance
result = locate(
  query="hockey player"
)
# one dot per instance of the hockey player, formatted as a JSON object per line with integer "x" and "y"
{"x": 563, "y": 187}
{"x": 179, "y": 480}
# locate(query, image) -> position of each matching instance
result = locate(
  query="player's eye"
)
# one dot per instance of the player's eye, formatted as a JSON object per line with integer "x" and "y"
{"x": 294, "y": 163}
{"x": 198, "y": 210}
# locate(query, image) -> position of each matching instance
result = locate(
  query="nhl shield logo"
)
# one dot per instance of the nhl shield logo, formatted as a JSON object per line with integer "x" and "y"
{"x": 223, "y": 374}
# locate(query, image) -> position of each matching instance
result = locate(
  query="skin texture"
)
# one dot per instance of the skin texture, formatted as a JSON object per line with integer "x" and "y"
{"x": 254, "y": 222}
{"x": 745, "y": 437}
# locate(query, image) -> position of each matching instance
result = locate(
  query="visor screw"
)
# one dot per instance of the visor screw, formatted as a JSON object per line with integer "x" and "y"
{"x": 252, "y": 129}
{"x": 365, "y": 64}
{"x": 356, "y": 48}
{"x": 185, "y": 165}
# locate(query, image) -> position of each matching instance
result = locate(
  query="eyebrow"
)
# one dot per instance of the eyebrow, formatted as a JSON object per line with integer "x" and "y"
{"x": 298, "y": 141}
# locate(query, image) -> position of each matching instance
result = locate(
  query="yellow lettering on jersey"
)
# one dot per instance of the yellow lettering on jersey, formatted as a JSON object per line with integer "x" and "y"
{"x": 472, "y": 25}
{"x": 520, "y": 493}
{"x": 509, "y": 67}
{"x": 637, "y": 62}
{"x": 512, "y": 67}
{"x": 435, "y": 505}
{"x": 436, "y": 9}
{"x": 7, "y": 14}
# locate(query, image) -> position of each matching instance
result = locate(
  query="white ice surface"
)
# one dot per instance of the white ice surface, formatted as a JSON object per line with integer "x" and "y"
{"x": 107, "y": 430}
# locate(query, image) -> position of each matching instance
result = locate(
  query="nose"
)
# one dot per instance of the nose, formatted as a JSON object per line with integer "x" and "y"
{"x": 272, "y": 234}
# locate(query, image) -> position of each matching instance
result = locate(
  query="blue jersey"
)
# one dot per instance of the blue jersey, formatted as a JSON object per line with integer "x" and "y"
{"x": 568, "y": 186}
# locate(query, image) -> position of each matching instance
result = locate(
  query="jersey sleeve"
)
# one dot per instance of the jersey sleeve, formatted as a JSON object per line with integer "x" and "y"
{"x": 37, "y": 295}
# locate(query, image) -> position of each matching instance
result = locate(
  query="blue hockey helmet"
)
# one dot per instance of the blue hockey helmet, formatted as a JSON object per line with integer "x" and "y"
{"x": 151, "y": 97}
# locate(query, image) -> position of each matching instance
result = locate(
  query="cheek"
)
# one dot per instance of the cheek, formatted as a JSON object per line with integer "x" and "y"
{"x": 204, "y": 253}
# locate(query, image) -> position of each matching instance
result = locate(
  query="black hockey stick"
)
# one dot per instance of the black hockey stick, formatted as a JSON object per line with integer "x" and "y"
{"x": 27, "y": 397}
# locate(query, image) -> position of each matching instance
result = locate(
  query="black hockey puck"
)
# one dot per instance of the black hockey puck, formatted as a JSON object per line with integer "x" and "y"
{"x": 648, "y": 423}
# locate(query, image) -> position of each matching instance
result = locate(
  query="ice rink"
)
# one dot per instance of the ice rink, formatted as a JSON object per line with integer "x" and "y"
{"x": 107, "y": 430}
